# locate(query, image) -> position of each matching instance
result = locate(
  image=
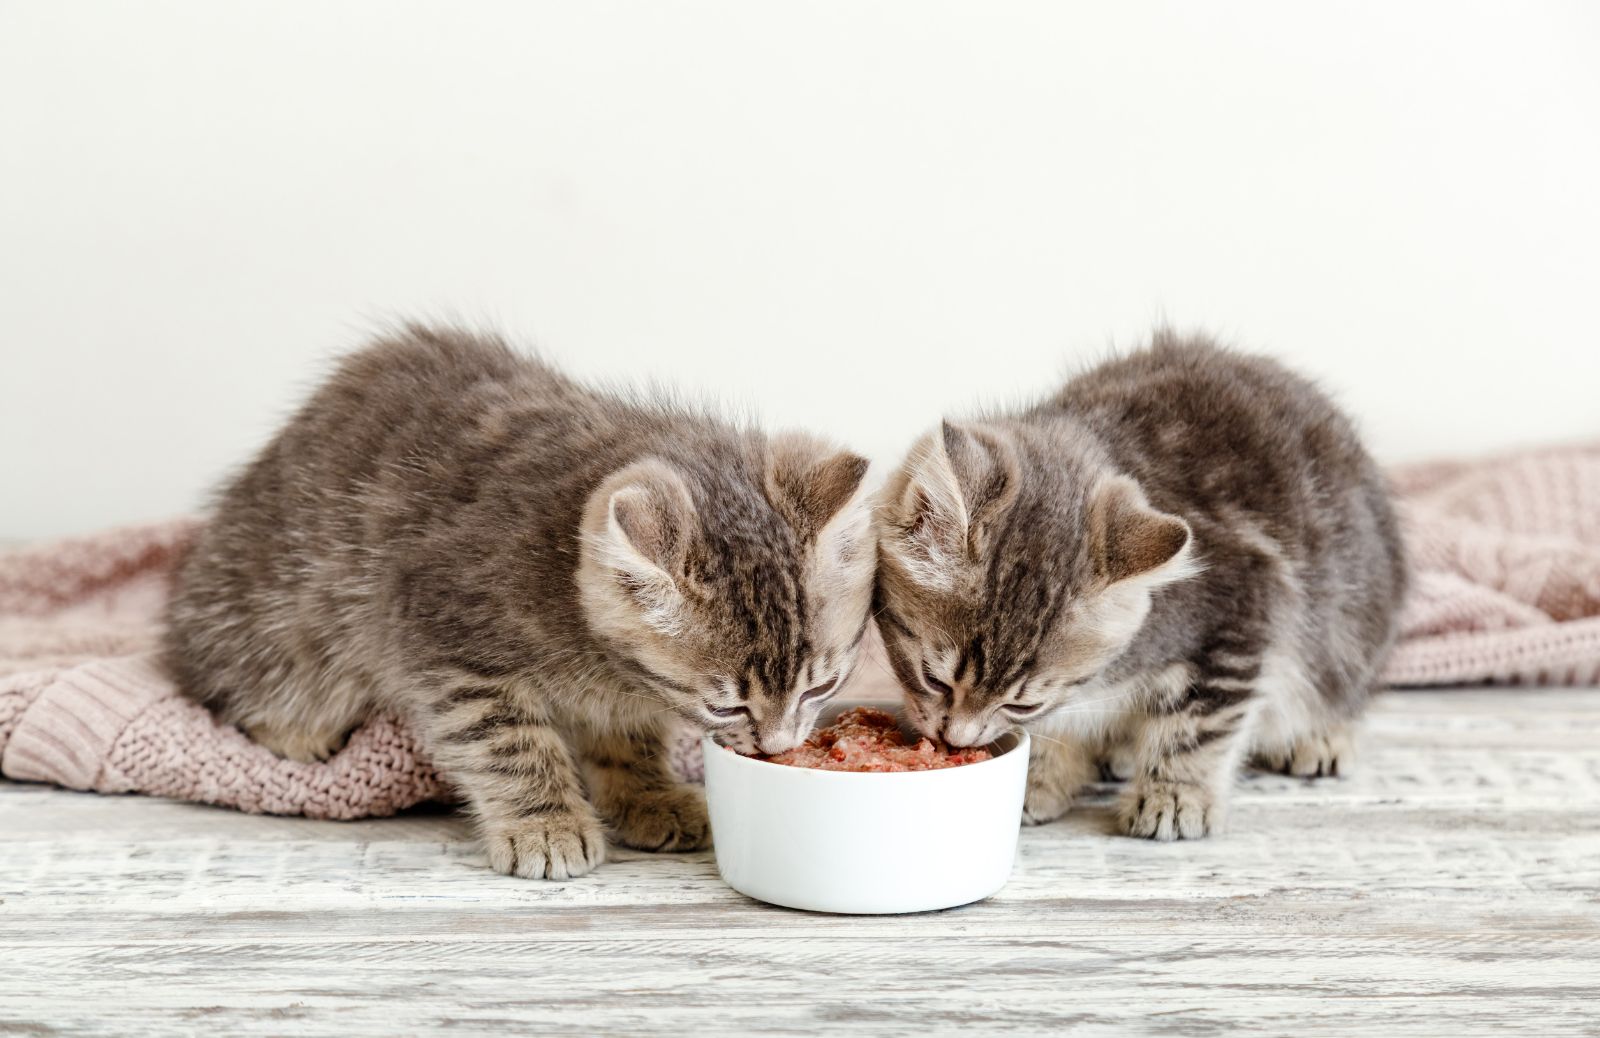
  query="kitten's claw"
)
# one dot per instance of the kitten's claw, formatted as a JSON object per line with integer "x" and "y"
{"x": 1170, "y": 811}
{"x": 559, "y": 844}
{"x": 664, "y": 820}
{"x": 1324, "y": 755}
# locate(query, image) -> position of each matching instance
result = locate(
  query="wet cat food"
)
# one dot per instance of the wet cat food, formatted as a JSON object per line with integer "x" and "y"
{"x": 864, "y": 739}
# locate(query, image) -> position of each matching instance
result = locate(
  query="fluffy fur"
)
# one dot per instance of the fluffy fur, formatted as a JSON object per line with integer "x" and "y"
{"x": 540, "y": 574}
{"x": 1182, "y": 559}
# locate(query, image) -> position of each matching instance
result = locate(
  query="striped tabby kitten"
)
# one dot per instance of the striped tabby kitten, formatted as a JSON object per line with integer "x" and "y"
{"x": 539, "y": 575}
{"x": 1181, "y": 559}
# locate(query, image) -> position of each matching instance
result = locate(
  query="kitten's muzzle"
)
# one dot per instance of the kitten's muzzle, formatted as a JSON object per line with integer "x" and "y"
{"x": 968, "y": 731}
{"x": 778, "y": 742}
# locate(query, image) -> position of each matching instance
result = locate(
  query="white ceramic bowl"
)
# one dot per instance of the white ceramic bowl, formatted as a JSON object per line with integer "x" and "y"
{"x": 868, "y": 843}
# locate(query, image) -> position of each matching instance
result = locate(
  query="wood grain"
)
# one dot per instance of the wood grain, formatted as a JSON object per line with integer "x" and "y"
{"x": 1451, "y": 887}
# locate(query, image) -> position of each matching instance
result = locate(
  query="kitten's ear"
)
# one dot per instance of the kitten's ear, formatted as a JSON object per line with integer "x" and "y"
{"x": 1131, "y": 539}
{"x": 959, "y": 480}
{"x": 985, "y": 468}
{"x": 809, "y": 482}
{"x": 645, "y": 532}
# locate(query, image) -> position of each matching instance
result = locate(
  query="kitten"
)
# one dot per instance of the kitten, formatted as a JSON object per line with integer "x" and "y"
{"x": 539, "y": 575}
{"x": 1181, "y": 559}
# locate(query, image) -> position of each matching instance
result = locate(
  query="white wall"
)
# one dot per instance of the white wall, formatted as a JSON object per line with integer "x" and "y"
{"x": 848, "y": 215}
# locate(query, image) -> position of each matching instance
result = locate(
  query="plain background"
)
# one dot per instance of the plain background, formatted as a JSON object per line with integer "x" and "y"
{"x": 850, "y": 216}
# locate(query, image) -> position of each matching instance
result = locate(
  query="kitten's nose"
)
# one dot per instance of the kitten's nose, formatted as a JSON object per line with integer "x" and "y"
{"x": 961, "y": 732}
{"x": 777, "y": 742}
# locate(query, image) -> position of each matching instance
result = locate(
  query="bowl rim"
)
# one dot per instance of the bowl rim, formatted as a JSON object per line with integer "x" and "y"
{"x": 1022, "y": 743}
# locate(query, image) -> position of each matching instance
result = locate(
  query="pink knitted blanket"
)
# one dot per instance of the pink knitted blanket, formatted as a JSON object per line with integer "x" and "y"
{"x": 1506, "y": 554}
{"x": 84, "y": 705}
{"x": 1505, "y": 558}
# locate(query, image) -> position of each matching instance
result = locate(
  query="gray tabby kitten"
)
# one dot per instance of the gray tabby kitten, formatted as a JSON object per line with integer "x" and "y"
{"x": 539, "y": 575}
{"x": 1181, "y": 559}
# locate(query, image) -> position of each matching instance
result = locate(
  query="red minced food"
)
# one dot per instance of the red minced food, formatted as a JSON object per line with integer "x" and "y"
{"x": 864, "y": 739}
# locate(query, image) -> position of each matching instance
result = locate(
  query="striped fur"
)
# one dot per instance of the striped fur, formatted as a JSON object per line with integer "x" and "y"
{"x": 542, "y": 575}
{"x": 1182, "y": 559}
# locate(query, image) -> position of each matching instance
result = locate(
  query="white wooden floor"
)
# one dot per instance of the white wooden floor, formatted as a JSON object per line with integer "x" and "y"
{"x": 1453, "y": 887}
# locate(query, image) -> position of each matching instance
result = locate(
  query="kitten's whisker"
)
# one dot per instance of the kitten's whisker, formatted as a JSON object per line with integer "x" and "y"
{"x": 888, "y": 671}
{"x": 1068, "y": 713}
{"x": 1046, "y": 738}
{"x": 636, "y": 695}
{"x": 1119, "y": 697}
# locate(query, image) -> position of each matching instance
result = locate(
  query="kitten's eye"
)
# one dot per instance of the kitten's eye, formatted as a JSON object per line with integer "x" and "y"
{"x": 821, "y": 690}
{"x": 935, "y": 685}
{"x": 1022, "y": 710}
{"x": 728, "y": 711}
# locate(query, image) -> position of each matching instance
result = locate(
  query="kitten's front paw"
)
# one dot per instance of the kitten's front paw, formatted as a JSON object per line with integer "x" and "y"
{"x": 1046, "y": 801}
{"x": 1170, "y": 811}
{"x": 559, "y": 844}
{"x": 1118, "y": 765}
{"x": 664, "y": 820}
{"x": 296, "y": 744}
{"x": 1057, "y": 770}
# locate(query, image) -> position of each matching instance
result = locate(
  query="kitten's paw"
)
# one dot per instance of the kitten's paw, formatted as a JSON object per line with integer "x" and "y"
{"x": 1170, "y": 811}
{"x": 296, "y": 744}
{"x": 664, "y": 820}
{"x": 1328, "y": 754}
{"x": 1046, "y": 800}
{"x": 558, "y": 844}
{"x": 1118, "y": 765}
{"x": 1057, "y": 770}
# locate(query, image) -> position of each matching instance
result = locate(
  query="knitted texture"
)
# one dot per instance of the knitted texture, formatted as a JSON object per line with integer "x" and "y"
{"x": 1506, "y": 589}
{"x": 1505, "y": 556}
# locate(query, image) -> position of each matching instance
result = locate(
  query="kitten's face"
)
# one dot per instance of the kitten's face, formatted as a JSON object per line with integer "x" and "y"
{"x": 741, "y": 606}
{"x": 1008, "y": 579}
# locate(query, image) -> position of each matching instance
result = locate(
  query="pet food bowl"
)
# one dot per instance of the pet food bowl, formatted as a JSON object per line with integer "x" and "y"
{"x": 866, "y": 843}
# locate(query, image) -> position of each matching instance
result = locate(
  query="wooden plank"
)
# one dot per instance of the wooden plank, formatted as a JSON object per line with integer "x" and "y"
{"x": 1451, "y": 887}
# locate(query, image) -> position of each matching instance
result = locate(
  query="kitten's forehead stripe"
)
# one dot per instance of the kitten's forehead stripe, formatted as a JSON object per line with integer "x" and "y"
{"x": 971, "y": 660}
{"x": 980, "y": 658}
{"x": 777, "y": 659}
{"x": 1022, "y": 598}
{"x": 757, "y": 560}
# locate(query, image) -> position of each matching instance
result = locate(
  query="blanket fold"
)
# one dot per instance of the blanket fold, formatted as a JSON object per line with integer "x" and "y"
{"x": 1505, "y": 557}
{"x": 1505, "y": 560}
